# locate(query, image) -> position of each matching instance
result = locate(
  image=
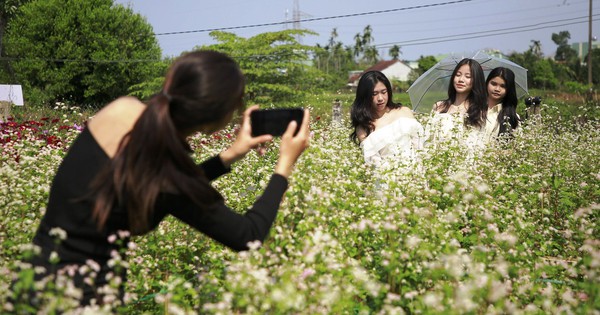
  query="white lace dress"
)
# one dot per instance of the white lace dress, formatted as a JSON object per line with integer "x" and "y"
{"x": 397, "y": 142}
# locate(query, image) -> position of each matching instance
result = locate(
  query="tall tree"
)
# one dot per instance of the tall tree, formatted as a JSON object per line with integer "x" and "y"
{"x": 564, "y": 52}
{"x": 536, "y": 48}
{"x": 358, "y": 45}
{"x": 274, "y": 63}
{"x": 365, "y": 53}
{"x": 395, "y": 52}
{"x": 82, "y": 51}
{"x": 543, "y": 76}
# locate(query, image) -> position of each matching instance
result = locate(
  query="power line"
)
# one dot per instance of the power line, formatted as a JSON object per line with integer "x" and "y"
{"x": 503, "y": 31}
{"x": 313, "y": 19}
{"x": 431, "y": 40}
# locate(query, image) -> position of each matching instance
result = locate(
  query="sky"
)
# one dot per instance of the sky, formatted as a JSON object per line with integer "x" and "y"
{"x": 419, "y": 27}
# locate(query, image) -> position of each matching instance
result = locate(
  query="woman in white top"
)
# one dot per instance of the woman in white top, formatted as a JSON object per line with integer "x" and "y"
{"x": 463, "y": 114}
{"x": 466, "y": 94}
{"x": 502, "y": 103}
{"x": 383, "y": 129}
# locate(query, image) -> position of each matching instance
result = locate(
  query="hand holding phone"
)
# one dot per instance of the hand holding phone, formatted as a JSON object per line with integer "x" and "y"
{"x": 275, "y": 121}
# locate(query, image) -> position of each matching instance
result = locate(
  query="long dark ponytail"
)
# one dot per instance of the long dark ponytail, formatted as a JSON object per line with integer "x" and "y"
{"x": 201, "y": 87}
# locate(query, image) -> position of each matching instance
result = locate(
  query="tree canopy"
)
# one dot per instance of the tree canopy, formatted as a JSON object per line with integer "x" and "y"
{"x": 277, "y": 67}
{"x": 82, "y": 51}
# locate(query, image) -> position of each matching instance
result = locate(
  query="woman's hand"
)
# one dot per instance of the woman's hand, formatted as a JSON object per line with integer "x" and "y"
{"x": 293, "y": 146}
{"x": 244, "y": 142}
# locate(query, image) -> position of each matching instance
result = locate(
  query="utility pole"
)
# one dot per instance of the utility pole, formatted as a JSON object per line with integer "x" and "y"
{"x": 589, "y": 61}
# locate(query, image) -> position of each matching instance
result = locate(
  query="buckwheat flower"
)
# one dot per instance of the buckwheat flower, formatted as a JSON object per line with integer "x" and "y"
{"x": 454, "y": 243}
{"x": 482, "y": 188}
{"x": 468, "y": 197}
{"x": 411, "y": 295}
{"x": 254, "y": 245}
{"x": 449, "y": 187}
{"x": 432, "y": 300}
{"x": 54, "y": 257}
{"x": 109, "y": 298}
{"x": 83, "y": 269}
{"x": 123, "y": 234}
{"x": 412, "y": 241}
{"x": 581, "y": 212}
{"x": 531, "y": 308}
{"x": 307, "y": 273}
{"x": 132, "y": 245}
{"x": 498, "y": 290}
{"x": 112, "y": 238}
{"x": 58, "y": 233}
{"x": 8, "y": 307}
{"x": 39, "y": 270}
{"x": 94, "y": 265}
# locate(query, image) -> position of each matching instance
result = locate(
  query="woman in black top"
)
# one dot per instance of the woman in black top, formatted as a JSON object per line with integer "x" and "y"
{"x": 131, "y": 167}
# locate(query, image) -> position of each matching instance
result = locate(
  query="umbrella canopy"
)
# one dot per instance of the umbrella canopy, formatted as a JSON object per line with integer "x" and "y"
{"x": 432, "y": 86}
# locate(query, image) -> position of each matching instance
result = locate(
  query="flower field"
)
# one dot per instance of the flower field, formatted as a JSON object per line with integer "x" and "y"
{"x": 512, "y": 229}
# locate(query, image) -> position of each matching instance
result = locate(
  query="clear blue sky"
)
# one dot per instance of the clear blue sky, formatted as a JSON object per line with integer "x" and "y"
{"x": 445, "y": 26}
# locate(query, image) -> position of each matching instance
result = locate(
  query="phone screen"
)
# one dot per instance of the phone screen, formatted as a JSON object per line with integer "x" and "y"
{"x": 275, "y": 121}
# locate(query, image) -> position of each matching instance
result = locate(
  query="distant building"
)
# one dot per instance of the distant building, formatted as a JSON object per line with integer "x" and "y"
{"x": 393, "y": 70}
{"x": 582, "y": 49}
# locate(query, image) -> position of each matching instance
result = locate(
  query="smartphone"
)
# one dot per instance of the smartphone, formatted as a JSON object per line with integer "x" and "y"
{"x": 274, "y": 121}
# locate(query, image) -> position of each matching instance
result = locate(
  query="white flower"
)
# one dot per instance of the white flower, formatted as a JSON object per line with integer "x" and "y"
{"x": 58, "y": 233}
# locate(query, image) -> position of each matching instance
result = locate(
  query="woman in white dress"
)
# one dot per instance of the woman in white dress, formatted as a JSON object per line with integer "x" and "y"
{"x": 463, "y": 115}
{"x": 386, "y": 131}
{"x": 502, "y": 102}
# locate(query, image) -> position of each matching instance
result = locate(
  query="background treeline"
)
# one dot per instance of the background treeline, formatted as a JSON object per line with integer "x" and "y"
{"x": 87, "y": 52}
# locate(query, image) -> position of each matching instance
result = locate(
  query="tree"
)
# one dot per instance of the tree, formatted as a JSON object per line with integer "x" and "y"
{"x": 395, "y": 52}
{"x": 564, "y": 52}
{"x": 543, "y": 76}
{"x": 274, "y": 63}
{"x": 527, "y": 60}
{"x": 426, "y": 62}
{"x": 363, "y": 46}
{"x": 8, "y": 9}
{"x": 81, "y": 51}
{"x": 536, "y": 48}
{"x": 583, "y": 71}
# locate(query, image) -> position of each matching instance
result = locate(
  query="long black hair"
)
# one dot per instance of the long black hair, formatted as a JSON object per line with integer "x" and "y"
{"x": 201, "y": 87}
{"x": 361, "y": 113}
{"x": 508, "y": 114}
{"x": 477, "y": 98}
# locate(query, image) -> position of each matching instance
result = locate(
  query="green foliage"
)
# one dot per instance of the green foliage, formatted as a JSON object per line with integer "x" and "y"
{"x": 583, "y": 71}
{"x": 146, "y": 89}
{"x": 366, "y": 54}
{"x": 395, "y": 52}
{"x": 276, "y": 65}
{"x": 335, "y": 60}
{"x": 426, "y": 63}
{"x": 80, "y": 51}
{"x": 542, "y": 74}
{"x": 564, "y": 52}
{"x": 576, "y": 88}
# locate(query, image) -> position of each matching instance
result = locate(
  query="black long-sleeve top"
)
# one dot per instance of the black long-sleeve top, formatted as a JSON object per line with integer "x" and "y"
{"x": 71, "y": 213}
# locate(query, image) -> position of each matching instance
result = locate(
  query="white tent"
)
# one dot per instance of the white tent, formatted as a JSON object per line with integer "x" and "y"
{"x": 12, "y": 94}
